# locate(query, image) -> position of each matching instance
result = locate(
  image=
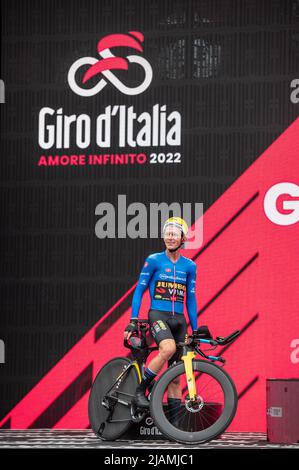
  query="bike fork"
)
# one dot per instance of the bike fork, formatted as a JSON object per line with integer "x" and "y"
{"x": 187, "y": 359}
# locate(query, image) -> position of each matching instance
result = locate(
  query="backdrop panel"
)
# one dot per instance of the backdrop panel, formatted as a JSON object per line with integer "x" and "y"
{"x": 198, "y": 104}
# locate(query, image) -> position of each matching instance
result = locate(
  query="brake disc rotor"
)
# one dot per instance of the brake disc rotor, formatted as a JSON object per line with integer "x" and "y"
{"x": 194, "y": 406}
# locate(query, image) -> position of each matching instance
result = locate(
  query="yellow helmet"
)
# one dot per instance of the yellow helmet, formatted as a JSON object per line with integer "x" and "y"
{"x": 177, "y": 222}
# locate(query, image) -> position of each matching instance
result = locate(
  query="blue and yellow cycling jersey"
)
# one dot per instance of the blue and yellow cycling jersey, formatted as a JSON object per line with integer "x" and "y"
{"x": 170, "y": 284}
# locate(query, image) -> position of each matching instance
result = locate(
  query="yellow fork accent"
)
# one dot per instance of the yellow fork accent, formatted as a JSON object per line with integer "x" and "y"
{"x": 135, "y": 364}
{"x": 189, "y": 374}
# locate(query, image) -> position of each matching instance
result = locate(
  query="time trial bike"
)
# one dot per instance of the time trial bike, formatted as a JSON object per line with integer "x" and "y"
{"x": 208, "y": 396}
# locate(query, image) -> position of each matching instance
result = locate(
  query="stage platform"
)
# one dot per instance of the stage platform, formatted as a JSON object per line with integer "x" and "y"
{"x": 82, "y": 439}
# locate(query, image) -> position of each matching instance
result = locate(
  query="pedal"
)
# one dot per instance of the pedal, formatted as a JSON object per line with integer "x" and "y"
{"x": 137, "y": 414}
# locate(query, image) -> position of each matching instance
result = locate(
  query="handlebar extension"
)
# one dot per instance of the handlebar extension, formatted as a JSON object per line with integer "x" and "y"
{"x": 227, "y": 339}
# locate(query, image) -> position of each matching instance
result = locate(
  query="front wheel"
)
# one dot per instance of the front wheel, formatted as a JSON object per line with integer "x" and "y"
{"x": 196, "y": 421}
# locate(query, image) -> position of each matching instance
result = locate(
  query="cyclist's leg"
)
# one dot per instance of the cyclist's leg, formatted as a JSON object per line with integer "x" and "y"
{"x": 166, "y": 350}
{"x": 178, "y": 327}
{"x": 179, "y": 331}
{"x": 164, "y": 339}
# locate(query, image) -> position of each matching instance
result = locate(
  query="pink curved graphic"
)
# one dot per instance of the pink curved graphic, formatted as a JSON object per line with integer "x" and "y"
{"x": 118, "y": 40}
{"x": 112, "y": 63}
{"x": 137, "y": 35}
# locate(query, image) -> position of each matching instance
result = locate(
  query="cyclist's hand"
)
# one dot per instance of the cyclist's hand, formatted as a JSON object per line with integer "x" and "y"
{"x": 127, "y": 335}
{"x": 130, "y": 329}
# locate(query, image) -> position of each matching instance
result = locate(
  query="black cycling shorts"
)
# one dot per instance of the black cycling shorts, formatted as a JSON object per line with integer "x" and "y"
{"x": 166, "y": 325}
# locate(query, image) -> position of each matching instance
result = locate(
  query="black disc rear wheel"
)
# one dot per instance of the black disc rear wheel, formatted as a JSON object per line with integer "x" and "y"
{"x": 106, "y": 424}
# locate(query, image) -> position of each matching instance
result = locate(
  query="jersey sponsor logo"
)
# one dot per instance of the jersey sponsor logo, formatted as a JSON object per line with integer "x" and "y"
{"x": 168, "y": 270}
{"x": 145, "y": 264}
{"x": 161, "y": 290}
{"x": 158, "y": 326}
{"x": 164, "y": 276}
{"x": 171, "y": 291}
{"x": 161, "y": 325}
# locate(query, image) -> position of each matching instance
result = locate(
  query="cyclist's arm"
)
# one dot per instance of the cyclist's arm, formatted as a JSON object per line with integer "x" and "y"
{"x": 143, "y": 282}
{"x": 190, "y": 297}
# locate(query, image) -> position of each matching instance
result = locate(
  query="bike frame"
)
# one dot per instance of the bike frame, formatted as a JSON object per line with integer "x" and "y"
{"x": 109, "y": 400}
{"x": 140, "y": 352}
{"x": 190, "y": 349}
{"x": 139, "y": 359}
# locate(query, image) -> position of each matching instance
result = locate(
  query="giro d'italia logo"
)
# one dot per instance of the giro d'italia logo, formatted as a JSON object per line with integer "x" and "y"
{"x": 108, "y": 61}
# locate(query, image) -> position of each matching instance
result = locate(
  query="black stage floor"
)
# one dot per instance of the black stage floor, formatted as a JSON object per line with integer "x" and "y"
{"x": 82, "y": 439}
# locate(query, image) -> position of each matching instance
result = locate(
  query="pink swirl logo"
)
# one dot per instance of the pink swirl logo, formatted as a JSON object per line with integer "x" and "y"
{"x": 110, "y": 62}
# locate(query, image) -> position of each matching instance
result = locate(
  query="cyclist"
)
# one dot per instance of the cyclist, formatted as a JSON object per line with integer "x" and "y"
{"x": 171, "y": 279}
